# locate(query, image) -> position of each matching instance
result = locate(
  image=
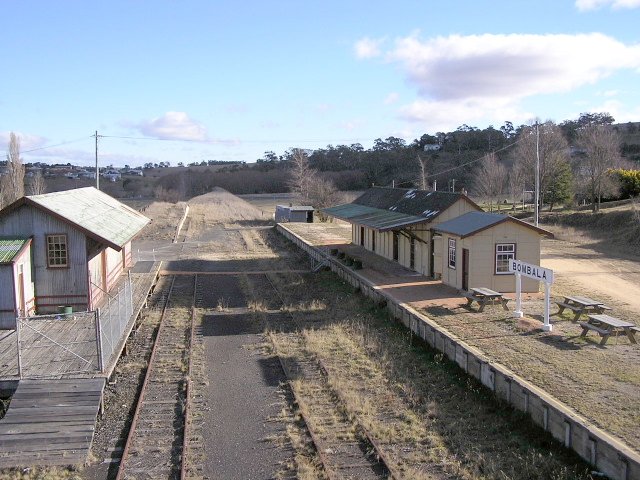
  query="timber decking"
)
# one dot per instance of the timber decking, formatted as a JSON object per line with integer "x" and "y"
{"x": 50, "y": 422}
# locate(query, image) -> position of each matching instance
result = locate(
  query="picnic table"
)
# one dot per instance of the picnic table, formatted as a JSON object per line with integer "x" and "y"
{"x": 485, "y": 296}
{"x": 581, "y": 305}
{"x": 606, "y": 326}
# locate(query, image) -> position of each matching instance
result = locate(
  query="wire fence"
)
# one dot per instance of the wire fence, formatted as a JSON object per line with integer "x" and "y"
{"x": 74, "y": 343}
{"x": 113, "y": 319}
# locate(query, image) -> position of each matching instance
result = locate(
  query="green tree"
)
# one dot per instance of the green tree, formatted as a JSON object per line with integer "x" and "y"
{"x": 559, "y": 189}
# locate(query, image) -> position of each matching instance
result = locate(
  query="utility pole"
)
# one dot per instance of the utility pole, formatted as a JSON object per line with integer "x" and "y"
{"x": 453, "y": 182}
{"x": 97, "y": 171}
{"x": 537, "y": 208}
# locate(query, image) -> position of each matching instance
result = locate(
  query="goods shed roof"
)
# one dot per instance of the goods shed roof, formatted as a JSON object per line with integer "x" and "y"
{"x": 93, "y": 212}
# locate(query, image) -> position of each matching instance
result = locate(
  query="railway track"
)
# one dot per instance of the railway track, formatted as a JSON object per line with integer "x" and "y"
{"x": 344, "y": 446}
{"x": 157, "y": 442}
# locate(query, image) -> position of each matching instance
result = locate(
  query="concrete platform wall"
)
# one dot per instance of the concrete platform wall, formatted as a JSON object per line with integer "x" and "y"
{"x": 607, "y": 454}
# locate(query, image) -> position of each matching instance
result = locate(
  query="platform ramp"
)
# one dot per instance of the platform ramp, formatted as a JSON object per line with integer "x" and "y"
{"x": 50, "y": 422}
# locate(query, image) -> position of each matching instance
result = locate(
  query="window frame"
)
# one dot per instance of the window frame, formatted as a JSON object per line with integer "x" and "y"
{"x": 451, "y": 253}
{"x": 505, "y": 255}
{"x": 53, "y": 255}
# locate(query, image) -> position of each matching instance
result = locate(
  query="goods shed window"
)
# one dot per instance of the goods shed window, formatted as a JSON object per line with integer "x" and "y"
{"x": 57, "y": 253}
{"x": 504, "y": 253}
{"x": 452, "y": 253}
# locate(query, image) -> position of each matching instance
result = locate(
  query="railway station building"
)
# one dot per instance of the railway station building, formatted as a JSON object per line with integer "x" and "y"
{"x": 442, "y": 235}
{"x": 63, "y": 249}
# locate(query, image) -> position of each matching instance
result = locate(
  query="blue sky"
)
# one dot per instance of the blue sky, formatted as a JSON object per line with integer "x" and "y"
{"x": 198, "y": 80}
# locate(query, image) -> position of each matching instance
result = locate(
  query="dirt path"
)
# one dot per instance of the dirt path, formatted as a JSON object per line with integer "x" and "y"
{"x": 581, "y": 269}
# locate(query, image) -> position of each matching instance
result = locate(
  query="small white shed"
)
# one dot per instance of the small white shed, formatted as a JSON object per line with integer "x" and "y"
{"x": 294, "y": 213}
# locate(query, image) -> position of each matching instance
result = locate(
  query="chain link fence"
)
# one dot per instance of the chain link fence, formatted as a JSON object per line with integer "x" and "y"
{"x": 74, "y": 343}
{"x": 113, "y": 319}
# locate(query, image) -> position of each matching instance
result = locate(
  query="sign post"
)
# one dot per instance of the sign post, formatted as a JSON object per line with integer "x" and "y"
{"x": 537, "y": 273}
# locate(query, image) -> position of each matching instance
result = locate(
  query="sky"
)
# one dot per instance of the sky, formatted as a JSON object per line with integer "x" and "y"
{"x": 186, "y": 81}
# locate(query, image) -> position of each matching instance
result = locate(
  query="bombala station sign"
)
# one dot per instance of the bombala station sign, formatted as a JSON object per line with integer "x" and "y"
{"x": 531, "y": 271}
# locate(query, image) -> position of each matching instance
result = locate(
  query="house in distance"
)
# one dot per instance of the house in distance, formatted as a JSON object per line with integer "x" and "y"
{"x": 65, "y": 248}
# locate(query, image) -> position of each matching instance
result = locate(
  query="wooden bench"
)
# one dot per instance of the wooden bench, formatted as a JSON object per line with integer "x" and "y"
{"x": 580, "y": 309}
{"x": 483, "y": 301}
{"x": 600, "y": 331}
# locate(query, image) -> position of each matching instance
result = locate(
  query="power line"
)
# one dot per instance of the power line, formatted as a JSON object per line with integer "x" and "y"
{"x": 55, "y": 145}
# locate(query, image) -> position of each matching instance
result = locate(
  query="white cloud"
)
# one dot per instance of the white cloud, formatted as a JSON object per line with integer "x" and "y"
{"x": 618, "y": 110}
{"x": 368, "y": 47}
{"x": 391, "y": 98}
{"x": 173, "y": 126}
{"x": 486, "y": 76}
{"x": 584, "y": 5}
{"x": 27, "y": 141}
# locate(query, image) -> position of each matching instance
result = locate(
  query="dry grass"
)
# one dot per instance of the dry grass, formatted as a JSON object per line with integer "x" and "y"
{"x": 435, "y": 420}
{"x": 41, "y": 473}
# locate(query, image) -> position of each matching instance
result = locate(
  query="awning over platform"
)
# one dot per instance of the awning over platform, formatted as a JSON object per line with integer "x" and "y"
{"x": 375, "y": 218}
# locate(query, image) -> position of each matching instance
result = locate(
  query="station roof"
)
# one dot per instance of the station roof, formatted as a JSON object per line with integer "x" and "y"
{"x": 474, "y": 222}
{"x": 10, "y": 247}
{"x": 93, "y": 212}
{"x": 384, "y": 208}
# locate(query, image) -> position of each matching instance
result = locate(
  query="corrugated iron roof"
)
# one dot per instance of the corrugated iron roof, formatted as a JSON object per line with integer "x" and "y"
{"x": 474, "y": 222}
{"x": 384, "y": 208}
{"x": 10, "y": 247}
{"x": 96, "y": 213}
{"x": 373, "y": 217}
{"x": 422, "y": 203}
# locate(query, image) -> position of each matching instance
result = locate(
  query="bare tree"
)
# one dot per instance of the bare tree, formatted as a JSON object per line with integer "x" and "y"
{"x": 13, "y": 182}
{"x": 37, "y": 186}
{"x": 490, "y": 179}
{"x": 553, "y": 151}
{"x": 601, "y": 145}
{"x": 422, "y": 178}
{"x": 516, "y": 183}
{"x": 302, "y": 175}
{"x": 324, "y": 194}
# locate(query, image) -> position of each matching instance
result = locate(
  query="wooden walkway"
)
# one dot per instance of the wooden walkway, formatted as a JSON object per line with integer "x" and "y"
{"x": 50, "y": 422}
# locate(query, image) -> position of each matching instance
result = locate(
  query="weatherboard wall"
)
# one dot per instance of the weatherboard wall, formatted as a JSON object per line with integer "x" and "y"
{"x": 53, "y": 286}
{"x": 482, "y": 257}
{"x": 383, "y": 244}
{"x": 606, "y": 453}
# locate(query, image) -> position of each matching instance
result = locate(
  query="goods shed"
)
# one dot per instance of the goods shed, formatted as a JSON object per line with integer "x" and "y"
{"x": 396, "y": 222}
{"x": 79, "y": 244}
{"x": 474, "y": 249}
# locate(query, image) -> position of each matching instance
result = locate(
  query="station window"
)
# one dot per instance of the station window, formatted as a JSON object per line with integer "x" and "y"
{"x": 57, "y": 253}
{"x": 504, "y": 253}
{"x": 452, "y": 253}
